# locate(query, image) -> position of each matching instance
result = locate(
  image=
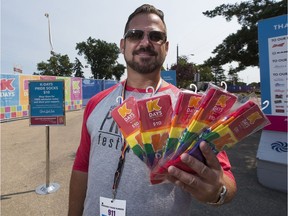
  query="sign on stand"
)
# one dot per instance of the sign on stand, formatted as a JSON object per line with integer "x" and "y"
{"x": 47, "y": 102}
{"x": 47, "y": 107}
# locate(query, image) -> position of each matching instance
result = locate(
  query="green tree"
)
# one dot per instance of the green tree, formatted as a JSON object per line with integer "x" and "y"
{"x": 185, "y": 72}
{"x": 242, "y": 46}
{"x": 233, "y": 76}
{"x": 57, "y": 65}
{"x": 205, "y": 73}
{"x": 257, "y": 85}
{"x": 118, "y": 71}
{"x": 78, "y": 68}
{"x": 219, "y": 75}
{"x": 102, "y": 57}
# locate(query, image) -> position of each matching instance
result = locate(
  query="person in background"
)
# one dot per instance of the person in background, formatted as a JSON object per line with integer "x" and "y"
{"x": 92, "y": 183}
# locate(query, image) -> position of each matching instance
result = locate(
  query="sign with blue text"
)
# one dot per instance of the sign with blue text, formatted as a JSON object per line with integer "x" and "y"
{"x": 47, "y": 102}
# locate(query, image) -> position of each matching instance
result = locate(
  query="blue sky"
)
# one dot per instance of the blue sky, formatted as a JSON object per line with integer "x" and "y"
{"x": 25, "y": 37}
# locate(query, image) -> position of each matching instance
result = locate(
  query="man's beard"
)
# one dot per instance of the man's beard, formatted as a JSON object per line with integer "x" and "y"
{"x": 146, "y": 66}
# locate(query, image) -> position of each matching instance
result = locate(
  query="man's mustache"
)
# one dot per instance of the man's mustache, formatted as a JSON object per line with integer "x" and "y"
{"x": 146, "y": 50}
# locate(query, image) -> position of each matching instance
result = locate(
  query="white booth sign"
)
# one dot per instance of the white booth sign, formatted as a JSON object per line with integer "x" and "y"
{"x": 272, "y": 150}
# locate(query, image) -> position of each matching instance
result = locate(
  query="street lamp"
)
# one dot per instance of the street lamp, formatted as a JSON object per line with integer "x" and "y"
{"x": 49, "y": 31}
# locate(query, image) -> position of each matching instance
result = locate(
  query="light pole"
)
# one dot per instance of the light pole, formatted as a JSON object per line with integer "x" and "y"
{"x": 177, "y": 55}
{"x": 49, "y": 31}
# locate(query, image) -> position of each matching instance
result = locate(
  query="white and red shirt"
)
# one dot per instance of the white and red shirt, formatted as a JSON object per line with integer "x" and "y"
{"x": 99, "y": 151}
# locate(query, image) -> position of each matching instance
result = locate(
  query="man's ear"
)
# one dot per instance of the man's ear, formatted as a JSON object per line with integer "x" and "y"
{"x": 167, "y": 47}
{"x": 122, "y": 44}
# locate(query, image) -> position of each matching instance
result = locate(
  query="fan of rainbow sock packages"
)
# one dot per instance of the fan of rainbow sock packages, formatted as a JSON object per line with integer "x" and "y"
{"x": 158, "y": 135}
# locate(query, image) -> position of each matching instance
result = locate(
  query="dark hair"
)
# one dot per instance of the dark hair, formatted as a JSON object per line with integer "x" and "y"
{"x": 145, "y": 9}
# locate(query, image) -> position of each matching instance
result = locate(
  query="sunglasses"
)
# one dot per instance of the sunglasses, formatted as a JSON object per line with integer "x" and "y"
{"x": 135, "y": 35}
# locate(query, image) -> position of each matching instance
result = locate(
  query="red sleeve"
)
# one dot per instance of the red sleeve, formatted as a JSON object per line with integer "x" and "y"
{"x": 225, "y": 163}
{"x": 81, "y": 162}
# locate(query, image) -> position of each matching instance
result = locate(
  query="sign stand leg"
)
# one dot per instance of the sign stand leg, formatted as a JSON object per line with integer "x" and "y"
{"x": 48, "y": 187}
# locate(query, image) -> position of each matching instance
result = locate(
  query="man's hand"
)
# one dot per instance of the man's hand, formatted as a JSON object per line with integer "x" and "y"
{"x": 206, "y": 184}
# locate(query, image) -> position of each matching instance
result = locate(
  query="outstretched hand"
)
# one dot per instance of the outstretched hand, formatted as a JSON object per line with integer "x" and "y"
{"x": 207, "y": 183}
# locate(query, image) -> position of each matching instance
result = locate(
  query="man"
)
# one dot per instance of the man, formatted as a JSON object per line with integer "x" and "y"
{"x": 144, "y": 47}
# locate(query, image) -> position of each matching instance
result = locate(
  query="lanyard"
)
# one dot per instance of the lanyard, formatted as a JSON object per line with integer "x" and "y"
{"x": 121, "y": 161}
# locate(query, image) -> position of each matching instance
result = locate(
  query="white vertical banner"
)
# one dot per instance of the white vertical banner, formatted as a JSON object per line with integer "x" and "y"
{"x": 272, "y": 150}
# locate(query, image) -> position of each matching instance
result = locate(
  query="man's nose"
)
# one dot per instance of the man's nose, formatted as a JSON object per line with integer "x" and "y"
{"x": 145, "y": 40}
